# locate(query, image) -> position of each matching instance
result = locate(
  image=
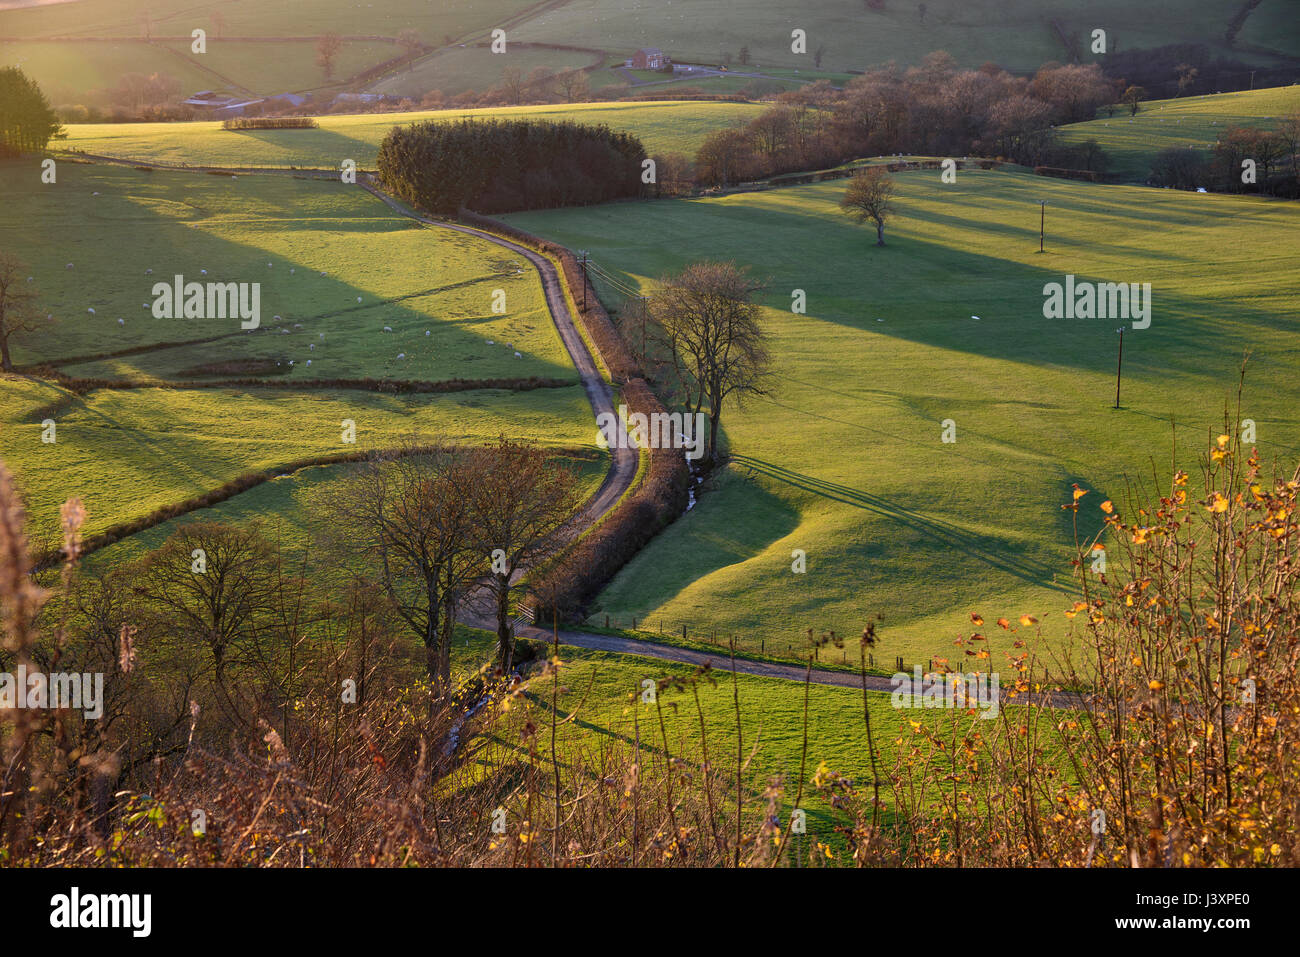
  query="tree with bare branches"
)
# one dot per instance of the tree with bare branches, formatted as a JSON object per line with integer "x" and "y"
{"x": 710, "y": 324}
{"x": 869, "y": 197}
{"x": 407, "y": 522}
{"x": 522, "y": 497}
{"x": 327, "y": 48}
{"x": 18, "y": 312}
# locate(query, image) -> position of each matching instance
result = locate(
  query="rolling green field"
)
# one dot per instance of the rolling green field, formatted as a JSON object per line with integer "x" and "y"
{"x": 1131, "y": 142}
{"x": 844, "y": 458}
{"x": 662, "y": 126}
{"x": 455, "y": 69}
{"x": 72, "y": 68}
{"x": 1014, "y": 33}
{"x": 129, "y": 451}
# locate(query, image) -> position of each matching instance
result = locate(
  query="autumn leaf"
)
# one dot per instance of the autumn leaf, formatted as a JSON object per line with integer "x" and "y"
{"x": 1004, "y": 623}
{"x": 1107, "y": 506}
{"x": 1028, "y": 620}
{"x": 977, "y": 619}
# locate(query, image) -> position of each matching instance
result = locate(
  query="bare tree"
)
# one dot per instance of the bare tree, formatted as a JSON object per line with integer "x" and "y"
{"x": 574, "y": 86}
{"x": 410, "y": 42}
{"x": 870, "y": 197}
{"x": 327, "y": 48}
{"x": 18, "y": 312}
{"x": 213, "y": 583}
{"x": 522, "y": 496}
{"x": 710, "y": 324}
{"x": 406, "y": 521}
{"x": 1132, "y": 97}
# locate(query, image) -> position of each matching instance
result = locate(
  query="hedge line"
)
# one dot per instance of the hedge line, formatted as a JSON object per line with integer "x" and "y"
{"x": 270, "y": 123}
{"x": 1090, "y": 176}
{"x": 213, "y": 497}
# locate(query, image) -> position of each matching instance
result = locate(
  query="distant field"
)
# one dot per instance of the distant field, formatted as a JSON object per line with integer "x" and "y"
{"x": 1014, "y": 33}
{"x": 662, "y": 126}
{"x": 456, "y": 70}
{"x": 70, "y": 71}
{"x": 844, "y": 458}
{"x": 129, "y": 451}
{"x": 1195, "y": 121}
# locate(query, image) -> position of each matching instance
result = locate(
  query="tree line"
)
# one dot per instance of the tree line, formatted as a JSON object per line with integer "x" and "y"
{"x": 934, "y": 109}
{"x": 27, "y": 123}
{"x": 508, "y": 165}
{"x": 1243, "y": 160}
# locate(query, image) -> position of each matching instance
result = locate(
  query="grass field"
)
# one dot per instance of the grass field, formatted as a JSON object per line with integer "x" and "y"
{"x": 457, "y": 69}
{"x": 71, "y": 68}
{"x": 1131, "y": 142}
{"x": 1016, "y": 34}
{"x": 661, "y": 126}
{"x": 844, "y": 459}
{"x": 130, "y": 451}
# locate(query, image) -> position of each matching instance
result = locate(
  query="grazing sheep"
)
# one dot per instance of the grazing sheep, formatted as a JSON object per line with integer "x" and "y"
{"x": 29, "y": 278}
{"x": 291, "y": 361}
{"x": 388, "y": 328}
{"x": 121, "y": 322}
{"x": 68, "y": 266}
{"x": 276, "y": 318}
{"x": 91, "y": 311}
{"x": 426, "y": 332}
{"x": 203, "y": 272}
{"x": 518, "y": 356}
{"x": 322, "y": 335}
{"x": 312, "y": 347}
{"x": 491, "y": 343}
{"x": 308, "y": 362}
{"x": 96, "y": 193}
{"x": 401, "y": 355}
{"x": 297, "y": 325}
{"x": 976, "y": 318}
{"x": 148, "y": 272}
{"x": 291, "y": 271}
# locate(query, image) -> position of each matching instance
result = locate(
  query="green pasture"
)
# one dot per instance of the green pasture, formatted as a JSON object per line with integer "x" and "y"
{"x": 844, "y": 459}
{"x": 663, "y": 126}
{"x": 1131, "y": 142}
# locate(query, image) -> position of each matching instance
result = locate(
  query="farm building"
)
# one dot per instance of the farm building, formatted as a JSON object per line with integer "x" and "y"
{"x": 649, "y": 58}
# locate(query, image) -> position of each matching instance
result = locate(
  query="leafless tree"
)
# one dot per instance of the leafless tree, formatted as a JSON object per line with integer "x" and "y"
{"x": 410, "y": 42}
{"x": 18, "y": 312}
{"x": 407, "y": 522}
{"x": 870, "y": 197}
{"x": 522, "y": 496}
{"x": 327, "y": 48}
{"x": 711, "y": 327}
{"x": 574, "y": 86}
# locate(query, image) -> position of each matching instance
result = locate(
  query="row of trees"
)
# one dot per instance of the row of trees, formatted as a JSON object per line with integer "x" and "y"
{"x": 1243, "y": 160}
{"x": 934, "y": 109}
{"x": 27, "y": 122}
{"x": 506, "y": 165}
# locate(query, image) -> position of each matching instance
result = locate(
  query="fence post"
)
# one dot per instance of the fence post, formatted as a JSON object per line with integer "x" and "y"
{"x": 683, "y": 632}
{"x": 607, "y": 621}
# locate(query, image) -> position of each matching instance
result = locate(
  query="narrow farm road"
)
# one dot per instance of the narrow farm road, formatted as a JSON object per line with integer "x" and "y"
{"x": 625, "y": 461}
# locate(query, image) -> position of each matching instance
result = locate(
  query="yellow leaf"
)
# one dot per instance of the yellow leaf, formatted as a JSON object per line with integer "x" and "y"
{"x": 1107, "y": 507}
{"x": 1028, "y": 620}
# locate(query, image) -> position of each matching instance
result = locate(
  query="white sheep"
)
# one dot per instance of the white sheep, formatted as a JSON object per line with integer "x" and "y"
{"x": 91, "y": 311}
{"x": 312, "y": 347}
{"x": 491, "y": 343}
{"x": 203, "y": 272}
{"x": 308, "y": 362}
{"x": 358, "y": 298}
{"x": 148, "y": 272}
{"x": 291, "y": 361}
{"x": 976, "y": 318}
{"x": 121, "y": 322}
{"x": 388, "y": 328}
{"x": 426, "y": 332}
{"x": 322, "y": 335}
{"x": 68, "y": 266}
{"x": 401, "y": 355}
{"x": 518, "y": 356}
